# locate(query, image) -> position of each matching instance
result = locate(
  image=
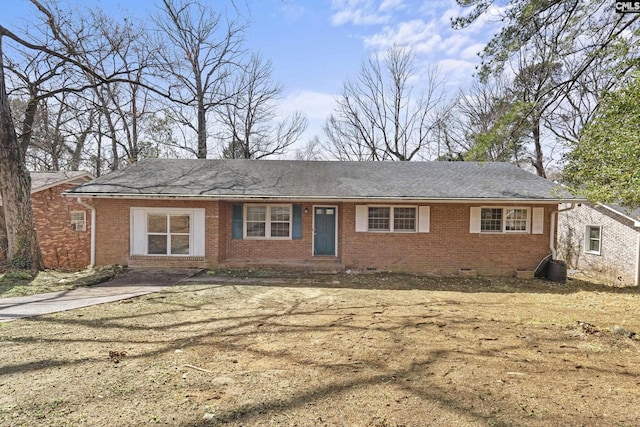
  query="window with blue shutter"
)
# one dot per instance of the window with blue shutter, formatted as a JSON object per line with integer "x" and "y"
{"x": 297, "y": 222}
{"x": 237, "y": 222}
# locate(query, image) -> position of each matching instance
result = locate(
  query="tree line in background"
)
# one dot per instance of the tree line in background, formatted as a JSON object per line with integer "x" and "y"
{"x": 84, "y": 90}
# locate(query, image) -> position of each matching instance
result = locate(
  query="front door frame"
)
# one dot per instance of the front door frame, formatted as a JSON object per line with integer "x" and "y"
{"x": 313, "y": 241}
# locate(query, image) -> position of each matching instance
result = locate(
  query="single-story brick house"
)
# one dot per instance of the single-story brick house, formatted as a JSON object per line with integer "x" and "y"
{"x": 441, "y": 217}
{"x": 602, "y": 242}
{"x": 62, "y": 225}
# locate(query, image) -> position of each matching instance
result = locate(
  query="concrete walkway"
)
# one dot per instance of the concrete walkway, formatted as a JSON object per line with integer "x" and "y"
{"x": 133, "y": 283}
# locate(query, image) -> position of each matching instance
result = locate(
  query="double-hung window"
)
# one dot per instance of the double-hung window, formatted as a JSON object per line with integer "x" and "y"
{"x": 168, "y": 234}
{"x": 78, "y": 220}
{"x": 167, "y": 231}
{"x": 593, "y": 239}
{"x": 267, "y": 222}
{"x": 504, "y": 220}
{"x": 516, "y": 220}
{"x": 393, "y": 219}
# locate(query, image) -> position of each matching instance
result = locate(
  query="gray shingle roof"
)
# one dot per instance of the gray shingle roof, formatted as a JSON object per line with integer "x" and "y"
{"x": 633, "y": 214}
{"x": 237, "y": 179}
{"x": 43, "y": 180}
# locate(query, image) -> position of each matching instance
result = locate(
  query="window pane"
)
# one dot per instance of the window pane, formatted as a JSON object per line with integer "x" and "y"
{"x": 280, "y": 214}
{"x": 404, "y": 219}
{"x": 256, "y": 213}
{"x": 491, "y": 219}
{"x": 280, "y": 229}
{"x": 78, "y": 221}
{"x": 379, "y": 219}
{"x": 594, "y": 239}
{"x": 156, "y": 223}
{"x": 256, "y": 229}
{"x": 516, "y": 220}
{"x": 179, "y": 223}
{"x": 179, "y": 245}
{"x": 157, "y": 244}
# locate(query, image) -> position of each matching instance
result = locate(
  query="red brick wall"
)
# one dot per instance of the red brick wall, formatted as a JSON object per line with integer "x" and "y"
{"x": 113, "y": 232}
{"x": 62, "y": 247}
{"x": 266, "y": 249}
{"x": 446, "y": 249}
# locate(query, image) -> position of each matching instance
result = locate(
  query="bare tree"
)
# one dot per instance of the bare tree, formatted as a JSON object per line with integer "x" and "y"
{"x": 249, "y": 129}
{"x": 15, "y": 186}
{"x": 200, "y": 55}
{"x": 379, "y": 118}
{"x": 485, "y": 123}
{"x": 121, "y": 105}
{"x": 564, "y": 55}
{"x": 312, "y": 150}
{"x": 58, "y": 40}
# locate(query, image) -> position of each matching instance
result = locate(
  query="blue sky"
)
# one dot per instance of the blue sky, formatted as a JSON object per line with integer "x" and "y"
{"x": 316, "y": 45}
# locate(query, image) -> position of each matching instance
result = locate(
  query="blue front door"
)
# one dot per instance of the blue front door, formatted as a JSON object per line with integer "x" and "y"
{"x": 324, "y": 235}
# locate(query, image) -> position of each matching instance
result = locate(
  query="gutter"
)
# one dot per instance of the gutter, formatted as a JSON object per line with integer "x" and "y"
{"x": 552, "y": 231}
{"x": 369, "y": 199}
{"x": 92, "y": 263}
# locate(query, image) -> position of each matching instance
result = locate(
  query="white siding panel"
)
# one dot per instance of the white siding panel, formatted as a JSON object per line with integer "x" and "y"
{"x": 424, "y": 213}
{"x": 474, "y": 220}
{"x": 537, "y": 222}
{"x": 362, "y": 217}
{"x": 138, "y": 232}
{"x": 198, "y": 232}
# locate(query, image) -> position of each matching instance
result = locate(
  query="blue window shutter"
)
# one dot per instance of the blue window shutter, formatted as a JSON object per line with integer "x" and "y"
{"x": 237, "y": 222}
{"x": 297, "y": 222}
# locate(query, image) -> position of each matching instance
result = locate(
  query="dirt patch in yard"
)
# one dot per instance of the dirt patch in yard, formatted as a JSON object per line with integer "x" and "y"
{"x": 331, "y": 350}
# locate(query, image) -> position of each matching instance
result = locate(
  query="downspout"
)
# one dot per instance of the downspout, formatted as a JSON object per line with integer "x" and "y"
{"x": 552, "y": 231}
{"x": 92, "y": 263}
{"x": 638, "y": 261}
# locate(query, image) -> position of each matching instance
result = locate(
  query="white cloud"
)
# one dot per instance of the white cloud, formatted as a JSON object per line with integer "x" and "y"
{"x": 421, "y": 36}
{"x": 357, "y": 12}
{"x": 471, "y": 52}
{"x": 457, "y": 72}
{"x": 316, "y": 106}
{"x": 391, "y": 5}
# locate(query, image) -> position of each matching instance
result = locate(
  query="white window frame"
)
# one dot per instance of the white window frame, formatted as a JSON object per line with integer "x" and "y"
{"x": 503, "y": 224}
{"x": 76, "y": 224}
{"x": 588, "y": 239}
{"x": 168, "y": 234}
{"x": 392, "y": 209}
{"x": 267, "y": 225}
{"x": 139, "y": 244}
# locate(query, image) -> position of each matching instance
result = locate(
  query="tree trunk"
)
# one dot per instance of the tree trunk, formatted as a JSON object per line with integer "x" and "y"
{"x": 538, "y": 162}
{"x": 29, "y": 120}
{"x": 202, "y": 130}
{"x": 15, "y": 188}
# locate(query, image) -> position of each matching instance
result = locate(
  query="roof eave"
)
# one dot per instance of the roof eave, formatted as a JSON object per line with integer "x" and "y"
{"x": 86, "y": 177}
{"x": 636, "y": 222}
{"x": 309, "y": 198}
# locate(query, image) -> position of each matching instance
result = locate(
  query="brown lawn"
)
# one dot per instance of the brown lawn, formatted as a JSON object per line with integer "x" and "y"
{"x": 332, "y": 350}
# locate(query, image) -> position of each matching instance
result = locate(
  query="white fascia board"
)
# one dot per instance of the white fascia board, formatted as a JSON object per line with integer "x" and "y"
{"x": 235, "y": 197}
{"x": 636, "y": 222}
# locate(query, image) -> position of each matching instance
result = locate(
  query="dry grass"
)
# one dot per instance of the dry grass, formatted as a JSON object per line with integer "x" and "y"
{"x": 334, "y": 350}
{"x": 14, "y": 283}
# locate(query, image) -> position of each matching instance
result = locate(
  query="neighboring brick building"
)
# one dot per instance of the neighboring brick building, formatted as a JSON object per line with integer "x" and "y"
{"x": 63, "y": 226}
{"x": 601, "y": 242}
{"x": 443, "y": 217}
